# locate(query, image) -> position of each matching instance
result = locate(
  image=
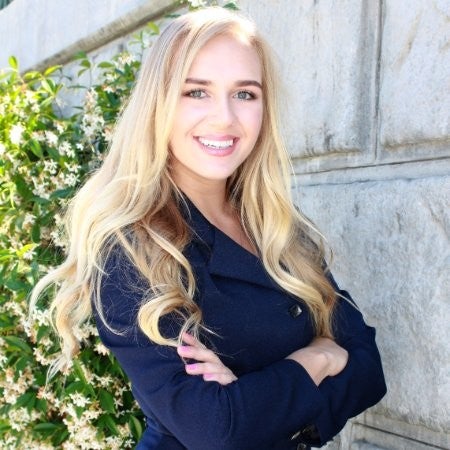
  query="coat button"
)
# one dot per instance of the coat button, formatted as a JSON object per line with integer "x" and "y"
{"x": 295, "y": 435}
{"x": 295, "y": 311}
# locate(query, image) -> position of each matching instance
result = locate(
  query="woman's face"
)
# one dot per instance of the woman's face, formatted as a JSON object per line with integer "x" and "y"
{"x": 218, "y": 117}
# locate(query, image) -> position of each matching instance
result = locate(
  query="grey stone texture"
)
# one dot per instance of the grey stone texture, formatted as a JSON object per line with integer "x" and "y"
{"x": 327, "y": 52}
{"x": 414, "y": 80}
{"x": 47, "y": 32}
{"x": 366, "y": 117}
{"x": 391, "y": 251}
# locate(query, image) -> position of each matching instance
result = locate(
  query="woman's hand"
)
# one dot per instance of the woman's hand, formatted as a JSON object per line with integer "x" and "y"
{"x": 322, "y": 358}
{"x": 207, "y": 362}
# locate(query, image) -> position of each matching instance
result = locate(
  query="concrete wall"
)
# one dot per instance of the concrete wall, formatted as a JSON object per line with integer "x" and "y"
{"x": 367, "y": 123}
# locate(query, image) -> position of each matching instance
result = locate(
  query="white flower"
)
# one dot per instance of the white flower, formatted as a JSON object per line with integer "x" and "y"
{"x": 38, "y": 136}
{"x": 30, "y": 98}
{"x": 65, "y": 148}
{"x": 58, "y": 239}
{"x": 29, "y": 255}
{"x": 3, "y": 359}
{"x": 74, "y": 168}
{"x": 71, "y": 179}
{"x": 60, "y": 127}
{"x": 51, "y": 166}
{"x": 41, "y": 191}
{"x": 101, "y": 349}
{"x": 2, "y": 149}
{"x": 51, "y": 138}
{"x": 79, "y": 400}
{"x": 29, "y": 219}
{"x": 110, "y": 77}
{"x": 124, "y": 59}
{"x": 15, "y": 134}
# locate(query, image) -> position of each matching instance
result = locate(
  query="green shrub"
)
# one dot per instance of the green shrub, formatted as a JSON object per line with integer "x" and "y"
{"x": 44, "y": 157}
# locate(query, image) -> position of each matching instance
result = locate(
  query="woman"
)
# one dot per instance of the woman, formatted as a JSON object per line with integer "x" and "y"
{"x": 207, "y": 284}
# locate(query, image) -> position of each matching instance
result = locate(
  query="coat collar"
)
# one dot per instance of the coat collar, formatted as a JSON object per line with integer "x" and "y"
{"x": 224, "y": 256}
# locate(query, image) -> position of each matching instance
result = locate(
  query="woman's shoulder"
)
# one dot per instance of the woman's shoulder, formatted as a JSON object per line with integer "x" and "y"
{"x": 122, "y": 290}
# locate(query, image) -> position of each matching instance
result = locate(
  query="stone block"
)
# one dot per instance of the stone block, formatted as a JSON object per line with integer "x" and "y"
{"x": 327, "y": 53}
{"x": 50, "y": 32}
{"x": 391, "y": 242}
{"x": 414, "y": 80}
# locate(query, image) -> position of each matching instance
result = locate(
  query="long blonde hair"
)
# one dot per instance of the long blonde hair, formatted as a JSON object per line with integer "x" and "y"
{"x": 132, "y": 202}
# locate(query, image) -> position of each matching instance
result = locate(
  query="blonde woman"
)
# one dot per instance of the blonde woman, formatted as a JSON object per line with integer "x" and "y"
{"x": 206, "y": 283}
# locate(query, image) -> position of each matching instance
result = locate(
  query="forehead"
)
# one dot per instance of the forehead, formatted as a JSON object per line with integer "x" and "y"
{"x": 226, "y": 57}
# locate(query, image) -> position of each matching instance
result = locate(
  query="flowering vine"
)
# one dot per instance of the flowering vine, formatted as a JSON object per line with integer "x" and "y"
{"x": 44, "y": 157}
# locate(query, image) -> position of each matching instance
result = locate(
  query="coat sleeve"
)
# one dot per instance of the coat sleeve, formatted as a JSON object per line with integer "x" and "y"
{"x": 260, "y": 408}
{"x": 361, "y": 384}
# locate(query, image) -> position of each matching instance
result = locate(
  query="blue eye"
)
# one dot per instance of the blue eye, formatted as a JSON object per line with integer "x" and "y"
{"x": 196, "y": 93}
{"x": 245, "y": 95}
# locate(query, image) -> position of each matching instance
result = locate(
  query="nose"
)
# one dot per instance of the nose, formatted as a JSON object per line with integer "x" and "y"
{"x": 223, "y": 113}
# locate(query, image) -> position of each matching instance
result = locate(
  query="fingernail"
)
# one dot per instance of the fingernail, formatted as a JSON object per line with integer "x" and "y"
{"x": 183, "y": 349}
{"x": 208, "y": 376}
{"x": 191, "y": 367}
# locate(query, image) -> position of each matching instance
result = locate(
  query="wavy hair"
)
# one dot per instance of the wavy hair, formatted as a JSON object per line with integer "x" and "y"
{"x": 132, "y": 201}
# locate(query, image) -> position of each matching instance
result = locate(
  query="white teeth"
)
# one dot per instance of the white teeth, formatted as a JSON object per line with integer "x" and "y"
{"x": 216, "y": 144}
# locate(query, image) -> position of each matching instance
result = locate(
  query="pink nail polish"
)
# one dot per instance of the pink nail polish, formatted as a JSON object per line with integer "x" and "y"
{"x": 208, "y": 376}
{"x": 191, "y": 367}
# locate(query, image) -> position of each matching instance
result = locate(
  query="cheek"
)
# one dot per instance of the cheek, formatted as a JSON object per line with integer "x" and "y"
{"x": 253, "y": 120}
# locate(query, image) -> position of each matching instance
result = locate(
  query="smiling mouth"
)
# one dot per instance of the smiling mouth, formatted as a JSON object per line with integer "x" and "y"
{"x": 218, "y": 145}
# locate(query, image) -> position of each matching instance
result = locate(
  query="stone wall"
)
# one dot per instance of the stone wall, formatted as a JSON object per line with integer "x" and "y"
{"x": 367, "y": 123}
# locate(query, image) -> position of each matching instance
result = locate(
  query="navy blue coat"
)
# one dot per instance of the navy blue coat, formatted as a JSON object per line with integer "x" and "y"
{"x": 274, "y": 404}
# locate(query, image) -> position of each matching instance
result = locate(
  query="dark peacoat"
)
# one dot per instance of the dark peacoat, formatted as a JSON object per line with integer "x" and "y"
{"x": 274, "y": 404}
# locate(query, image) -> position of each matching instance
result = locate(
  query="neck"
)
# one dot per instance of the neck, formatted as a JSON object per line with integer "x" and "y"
{"x": 209, "y": 196}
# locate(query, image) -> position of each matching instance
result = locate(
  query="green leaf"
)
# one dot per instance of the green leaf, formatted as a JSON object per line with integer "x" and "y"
{"x": 76, "y": 386}
{"x": 4, "y": 427}
{"x": 16, "y": 285}
{"x": 107, "y": 421}
{"x": 59, "y": 438}
{"x": 42, "y": 332}
{"x": 80, "y": 55}
{"x": 22, "y": 363}
{"x": 49, "y": 85}
{"x": 25, "y": 249}
{"x": 23, "y": 187}
{"x": 18, "y": 343}
{"x": 80, "y": 72}
{"x": 79, "y": 372}
{"x": 36, "y": 233}
{"x": 85, "y": 63}
{"x": 232, "y": 6}
{"x": 46, "y": 426}
{"x": 32, "y": 76}
{"x": 153, "y": 28}
{"x": 13, "y": 62}
{"x": 26, "y": 399}
{"x": 62, "y": 193}
{"x": 36, "y": 148}
{"x": 107, "y": 401}
{"x": 51, "y": 69}
{"x": 135, "y": 427}
{"x": 106, "y": 65}
{"x": 53, "y": 153}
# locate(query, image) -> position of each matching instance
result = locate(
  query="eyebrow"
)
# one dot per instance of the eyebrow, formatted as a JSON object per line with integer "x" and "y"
{"x": 239, "y": 83}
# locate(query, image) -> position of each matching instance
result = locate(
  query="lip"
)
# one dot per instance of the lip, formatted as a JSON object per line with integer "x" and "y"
{"x": 217, "y": 151}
